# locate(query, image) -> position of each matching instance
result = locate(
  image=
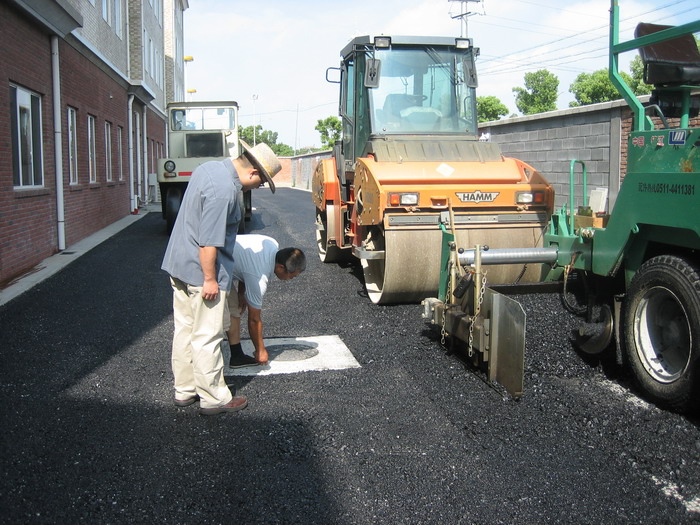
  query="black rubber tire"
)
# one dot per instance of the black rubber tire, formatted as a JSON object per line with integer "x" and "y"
{"x": 661, "y": 332}
{"x": 327, "y": 254}
{"x": 172, "y": 205}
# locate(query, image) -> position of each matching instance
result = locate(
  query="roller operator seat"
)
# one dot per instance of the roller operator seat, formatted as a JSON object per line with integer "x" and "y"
{"x": 674, "y": 62}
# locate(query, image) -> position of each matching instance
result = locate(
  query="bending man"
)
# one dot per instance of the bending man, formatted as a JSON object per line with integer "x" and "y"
{"x": 256, "y": 259}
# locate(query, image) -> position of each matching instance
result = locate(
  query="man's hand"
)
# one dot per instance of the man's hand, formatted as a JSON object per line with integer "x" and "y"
{"x": 207, "y": 259}
{"x": 210, "y": 290}
{"x": 255, "y": 330}
{"x": 261, "y": 355}
{"x": 242, "y": 301}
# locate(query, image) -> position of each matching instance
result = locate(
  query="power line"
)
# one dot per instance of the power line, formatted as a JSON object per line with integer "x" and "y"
{"x": 294, "y": 110}
{"x": 539, "y": 46}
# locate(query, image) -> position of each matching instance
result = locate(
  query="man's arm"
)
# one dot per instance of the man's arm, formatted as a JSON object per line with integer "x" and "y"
{"x": 207, "y": 259}
{"x": 255, "y": 330}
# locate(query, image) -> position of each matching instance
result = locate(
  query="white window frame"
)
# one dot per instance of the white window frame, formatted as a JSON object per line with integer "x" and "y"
{"x": 92, "y": 153}
{"x": 118, "y": 19}
{"x": 107, "y": 11}
{"x": 108, "y": 151}
{"x": 27, "y": 139}
{"x": 120, "y": 159}
{"x": 72, "y": 146}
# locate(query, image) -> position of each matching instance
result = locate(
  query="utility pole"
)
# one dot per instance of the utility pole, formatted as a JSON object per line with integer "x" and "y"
{"x": 255, "y": 115}
{"x": 464, "y": 15}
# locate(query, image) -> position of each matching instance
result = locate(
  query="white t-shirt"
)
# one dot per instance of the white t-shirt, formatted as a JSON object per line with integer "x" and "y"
{"x": 254, "y": 265}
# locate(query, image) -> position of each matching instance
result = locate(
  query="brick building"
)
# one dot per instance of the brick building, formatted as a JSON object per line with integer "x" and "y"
{"x": 82, "y": 117}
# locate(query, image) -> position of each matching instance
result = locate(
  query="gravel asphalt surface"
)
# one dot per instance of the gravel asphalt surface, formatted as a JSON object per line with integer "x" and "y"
{"x": 90, "y": 433}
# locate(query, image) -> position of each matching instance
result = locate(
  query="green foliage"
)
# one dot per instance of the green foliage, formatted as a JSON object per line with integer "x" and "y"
{"x": 637, "y": 83}
{"x": 330, "y": 129}
{"x": 490, "y": 108}
{"x": 266, "y": 136}
{"x": 539, "y": 93}
{"x": 591, "y": 88}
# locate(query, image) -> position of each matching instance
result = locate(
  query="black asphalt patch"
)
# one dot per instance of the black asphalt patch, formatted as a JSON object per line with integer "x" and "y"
{"x": 90, "y": 433}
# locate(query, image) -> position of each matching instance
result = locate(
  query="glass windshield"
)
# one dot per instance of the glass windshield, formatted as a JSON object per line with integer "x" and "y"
{"x": 201, "y": 119}
{"x": 422, "y": 91}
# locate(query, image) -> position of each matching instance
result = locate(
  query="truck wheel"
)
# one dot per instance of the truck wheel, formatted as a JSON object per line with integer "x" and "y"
{"x": 328, "y": 254}
{"x": 661, "y": 333}
{"x": 172, "y": 206}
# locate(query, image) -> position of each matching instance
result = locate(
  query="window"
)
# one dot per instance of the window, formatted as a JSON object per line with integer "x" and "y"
{"x": 118, "y": 18}
{"x": 72, "y": 146}
{"x": 25, "y": 126}
{"x": 108, "y": 151}
{"x": 106, "y": 11}
{"x": 146, "y": 53}
{"x": 92, "y": 157}
{"x": 120, "y": 161}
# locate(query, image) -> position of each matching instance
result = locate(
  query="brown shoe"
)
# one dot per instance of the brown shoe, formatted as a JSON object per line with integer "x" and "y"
{"x": 236, "y": 404}
{"x": 186, "y": 402}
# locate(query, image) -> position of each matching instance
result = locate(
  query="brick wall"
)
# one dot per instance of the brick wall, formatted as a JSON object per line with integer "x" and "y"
{"x": 90, "y": 207}
{"x": 27, "y": 217}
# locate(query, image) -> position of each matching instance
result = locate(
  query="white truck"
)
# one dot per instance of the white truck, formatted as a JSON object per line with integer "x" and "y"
{"x": 197, "y": 132}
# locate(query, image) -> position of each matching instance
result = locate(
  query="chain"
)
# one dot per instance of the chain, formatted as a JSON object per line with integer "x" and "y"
{"x": 448, "y": 297}
{"x": 476, "y": 313}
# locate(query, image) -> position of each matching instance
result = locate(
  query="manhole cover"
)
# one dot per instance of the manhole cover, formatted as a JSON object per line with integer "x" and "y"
{"x": 292, "y": 352}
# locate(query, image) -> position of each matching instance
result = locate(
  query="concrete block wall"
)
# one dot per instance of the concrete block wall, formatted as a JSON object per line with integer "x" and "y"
{"x": 550, "y": 141}
{"x": 303, "y": 167}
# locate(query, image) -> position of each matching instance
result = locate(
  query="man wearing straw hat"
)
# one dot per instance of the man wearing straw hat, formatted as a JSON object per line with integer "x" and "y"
{"x": 199, "y": 260}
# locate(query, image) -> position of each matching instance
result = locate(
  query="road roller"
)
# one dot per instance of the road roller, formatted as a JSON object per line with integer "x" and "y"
{"x": 635, "y": 270}
{"x": 409, "y": 157}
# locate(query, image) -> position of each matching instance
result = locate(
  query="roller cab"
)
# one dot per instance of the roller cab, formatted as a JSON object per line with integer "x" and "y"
{"x": 410, "y": 161}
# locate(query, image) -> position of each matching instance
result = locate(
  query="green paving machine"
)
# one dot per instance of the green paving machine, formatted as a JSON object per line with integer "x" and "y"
{"x": 637, "y": 269}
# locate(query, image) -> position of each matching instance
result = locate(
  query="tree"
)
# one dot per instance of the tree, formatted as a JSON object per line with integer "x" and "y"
{"x": 266, "y": 136}
{"x": 597, "y": 86}
{"x": 592, "y": 88}
{"x": 330, "y": 129}
{"x": 490, "y": 108}
{"x": 637, "y": 83}
{"x": 539, "y": 93}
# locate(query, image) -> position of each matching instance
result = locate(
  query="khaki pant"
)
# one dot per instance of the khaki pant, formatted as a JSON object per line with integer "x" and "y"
{"x": 198, "y": 365}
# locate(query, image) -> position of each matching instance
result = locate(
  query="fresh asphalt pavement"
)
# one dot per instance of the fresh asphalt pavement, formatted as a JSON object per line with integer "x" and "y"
{"x": 90, "y": 433}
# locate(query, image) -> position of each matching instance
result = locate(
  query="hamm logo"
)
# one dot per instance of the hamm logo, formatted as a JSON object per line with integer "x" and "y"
{"x": 478, "y": 196}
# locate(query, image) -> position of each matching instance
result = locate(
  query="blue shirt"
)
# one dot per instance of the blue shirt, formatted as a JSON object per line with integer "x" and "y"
{"x": 209, "y": 216}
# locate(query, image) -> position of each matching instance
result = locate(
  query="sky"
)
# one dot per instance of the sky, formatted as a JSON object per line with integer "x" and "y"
{"x": 271, "y": 56}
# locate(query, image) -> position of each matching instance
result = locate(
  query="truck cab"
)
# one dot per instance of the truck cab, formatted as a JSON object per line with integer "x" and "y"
{"x": 197, "y": 132}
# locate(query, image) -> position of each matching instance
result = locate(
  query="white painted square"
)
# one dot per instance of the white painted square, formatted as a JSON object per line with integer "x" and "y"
{"x": 331, "y": 354}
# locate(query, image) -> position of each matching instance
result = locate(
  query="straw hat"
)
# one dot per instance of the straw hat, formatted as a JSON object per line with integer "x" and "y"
{"x": 264, "y": 160}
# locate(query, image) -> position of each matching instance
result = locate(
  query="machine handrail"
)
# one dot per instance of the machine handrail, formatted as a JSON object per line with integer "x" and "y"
{"x": 571, "y": 190}
{"x": 642, "y": 122}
